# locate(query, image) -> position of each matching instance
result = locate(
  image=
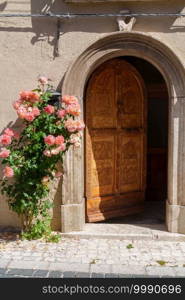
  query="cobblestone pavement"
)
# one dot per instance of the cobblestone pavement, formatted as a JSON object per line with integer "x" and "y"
{"x": 91, "y": 258}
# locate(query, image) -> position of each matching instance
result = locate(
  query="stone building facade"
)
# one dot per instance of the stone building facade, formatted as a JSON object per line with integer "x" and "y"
{"x": 69, "y": 51}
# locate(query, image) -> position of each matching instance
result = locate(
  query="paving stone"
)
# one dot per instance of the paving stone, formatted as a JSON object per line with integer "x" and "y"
{"x": 40, "y": 273}
{"x": 4, "y": 263}
{"x": 96, "y": 257}
{"x": 69, "y": 274}
{"x": 51, "y": 259}
{"x": 97, "y": 275}
{"x": 55, "y": 274}
{"x": 36, "y": 254}
{"x": 28, "y": 265}
{"x": 23, "y": 272}
{"x": 83, "y": 275}
{"x": 127, "y": 270}
{"x": 125, "y": 276}
{"x": 69, "y": 267}
{"x": 111, "y": 275}
{"x": 7, "y": 276}
{"x": 94, "y": 268}
{"x": 179, "y": 271}
{"x": 160, "y": 271}
{"x": 2, "y": 271}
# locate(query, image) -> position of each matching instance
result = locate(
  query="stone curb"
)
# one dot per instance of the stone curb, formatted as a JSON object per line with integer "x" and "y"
{"x": 37, "y": 273}
{"x": 13, "y": 268}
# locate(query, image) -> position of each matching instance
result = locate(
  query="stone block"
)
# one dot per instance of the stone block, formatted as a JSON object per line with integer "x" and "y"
{"x": 20, "y": 272}
{"x": 28, "y": 265}
{"x": 97, "y": 275}
{"x": 175, "y": 215}
{"x": 4, "y": 263}
{"x": 160, "y": 271}
{"x": 100, "y": 268}
{"x": 65, "y": 267}
{"x": 40, "y": 273}
{"x": 129, "y": 270}
{"x": 55, "y": 274}
{"x": 72, "y": 217}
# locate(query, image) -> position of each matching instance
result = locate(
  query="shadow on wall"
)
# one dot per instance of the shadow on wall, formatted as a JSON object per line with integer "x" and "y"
{"x": 3, "y": 5}
{"x": 46, "y": 28}
{"x": 103, "y": 25}
{"x": 50, "y": 29}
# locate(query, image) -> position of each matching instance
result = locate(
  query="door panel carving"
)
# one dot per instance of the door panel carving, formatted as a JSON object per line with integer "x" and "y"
{"x": 115, "y": 141}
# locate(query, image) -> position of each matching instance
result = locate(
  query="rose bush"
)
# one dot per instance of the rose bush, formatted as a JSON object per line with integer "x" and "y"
{"x": 31, "y": 157}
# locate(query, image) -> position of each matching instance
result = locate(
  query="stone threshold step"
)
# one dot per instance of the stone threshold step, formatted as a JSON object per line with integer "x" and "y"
{"x": 125, "y": 232}
{"x": 85, "y": 235}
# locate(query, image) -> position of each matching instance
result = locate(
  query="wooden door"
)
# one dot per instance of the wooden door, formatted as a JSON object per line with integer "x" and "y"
{"x": 115, "y": 142}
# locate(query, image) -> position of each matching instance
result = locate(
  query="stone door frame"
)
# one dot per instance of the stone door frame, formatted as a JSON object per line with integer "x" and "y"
{"x": 166, "y": 61}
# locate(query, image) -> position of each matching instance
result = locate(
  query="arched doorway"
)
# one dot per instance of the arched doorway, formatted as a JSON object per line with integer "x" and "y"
{"x": 126, "y": 115}
{"x": 161, "y": 56}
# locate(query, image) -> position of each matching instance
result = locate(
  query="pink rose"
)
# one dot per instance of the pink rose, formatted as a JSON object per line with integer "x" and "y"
{"x": 5, "y": 139}
{"x": 43, "y": 80}
{"x": 49, "y": 109}
{"x": 61, "y": 113}
{"x": 59, "y": 140}
{"x": 47, "y": 153}
{"x": 55, "y": 151}
{"x": 74, "y": 138}
{"x": 70, "y": 124}
{"x": 65, "y": 99}
{"x": 9, "y": 132}
{"x": 34, "y": 97}
{"x": 36, "y": 111}
{"x": 74, "y": 125}
{"x": 16, "y": 104}
{"x": 29, "y": 117}
{"x": 69, "y": 99}
{"x": 24, "y": 95}
{"x": 27, "y": 112}
{"x": 73, "y": 109}
{"x": 21, "y": 111}
{"x": 4, "y": 153}
{"x": 8, "y": 172}
{"x": 50, "y": 140}
{"x": 29, "y": 96}
{"x": 62, "y": 147}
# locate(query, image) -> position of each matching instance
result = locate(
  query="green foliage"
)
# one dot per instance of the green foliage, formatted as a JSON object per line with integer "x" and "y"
{"x": 27, "y": 193}
{"x": 53, "y": 238}
{"x": 161, "y": 262}
{"x": 129, "y": 246}
{"x": 40, "y": 229}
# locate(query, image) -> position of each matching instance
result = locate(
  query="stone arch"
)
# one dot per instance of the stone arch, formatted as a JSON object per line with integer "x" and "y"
{"x": 166, "y": 61}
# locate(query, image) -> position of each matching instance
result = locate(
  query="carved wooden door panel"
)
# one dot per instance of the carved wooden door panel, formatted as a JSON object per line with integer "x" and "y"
{"x": 115, "y": 142}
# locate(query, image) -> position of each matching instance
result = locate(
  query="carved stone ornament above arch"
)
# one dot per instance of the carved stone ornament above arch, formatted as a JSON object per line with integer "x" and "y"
{"x": 167, "y": 62}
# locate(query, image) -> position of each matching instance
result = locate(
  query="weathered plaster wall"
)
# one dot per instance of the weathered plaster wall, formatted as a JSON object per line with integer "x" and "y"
{"x": 27, "y": 49}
